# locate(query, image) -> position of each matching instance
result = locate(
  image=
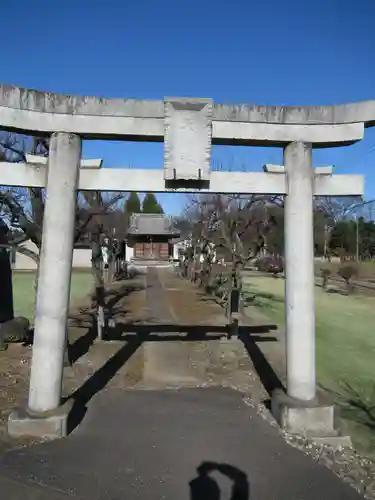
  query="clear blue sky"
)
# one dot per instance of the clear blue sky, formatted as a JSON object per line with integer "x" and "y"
{"x": 285, "y": 52}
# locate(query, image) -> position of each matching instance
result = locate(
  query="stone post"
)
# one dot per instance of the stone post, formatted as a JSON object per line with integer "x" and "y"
{"x": 6, "y": 288}
{"x": 299, "y": 267}
{"x": 55, "y": 272}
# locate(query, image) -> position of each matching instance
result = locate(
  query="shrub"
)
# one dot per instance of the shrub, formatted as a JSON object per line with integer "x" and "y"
{"x": 347, "y": 273}
{"x": 270, "y": 264}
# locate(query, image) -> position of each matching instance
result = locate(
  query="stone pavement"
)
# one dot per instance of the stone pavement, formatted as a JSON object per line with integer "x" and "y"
{"x": 148, "y": 444}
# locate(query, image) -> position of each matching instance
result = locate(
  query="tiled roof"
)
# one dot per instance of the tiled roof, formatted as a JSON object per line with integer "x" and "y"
{"x": 157, "y": 224}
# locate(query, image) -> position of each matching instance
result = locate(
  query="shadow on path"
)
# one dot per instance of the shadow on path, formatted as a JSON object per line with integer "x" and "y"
{"x": 267, "y": 375}
{"x": 183, "y": 332}
{"x": 204, "y": 487}
{"x": 82, "y": 345}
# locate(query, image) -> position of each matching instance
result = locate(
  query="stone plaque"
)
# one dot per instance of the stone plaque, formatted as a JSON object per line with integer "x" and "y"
{"x": 187, "y": 139}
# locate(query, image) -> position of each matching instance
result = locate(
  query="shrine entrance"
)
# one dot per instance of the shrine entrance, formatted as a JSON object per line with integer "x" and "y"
{"x": 188, "y": 128}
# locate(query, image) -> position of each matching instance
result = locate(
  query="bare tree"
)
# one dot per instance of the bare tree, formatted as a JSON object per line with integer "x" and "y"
{"x": 335, "y": 209}
{"x": 24, "y": 207}
{"x": 234, "y": 227}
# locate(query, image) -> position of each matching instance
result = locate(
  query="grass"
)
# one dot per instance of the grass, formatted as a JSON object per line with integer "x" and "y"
{"x": 345, "y": 350}
{"x": 24, "y": 297}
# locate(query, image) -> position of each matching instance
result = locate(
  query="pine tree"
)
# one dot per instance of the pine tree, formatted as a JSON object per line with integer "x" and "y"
{"x": 150, "y": 205}
{"x": 132, "y": 204}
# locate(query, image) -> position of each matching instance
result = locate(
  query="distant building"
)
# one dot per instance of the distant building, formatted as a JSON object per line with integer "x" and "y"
{"x": 150, "y": 237}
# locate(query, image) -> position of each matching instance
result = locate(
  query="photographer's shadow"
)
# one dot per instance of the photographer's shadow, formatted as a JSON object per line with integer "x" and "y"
{"x": 204, "y": 487}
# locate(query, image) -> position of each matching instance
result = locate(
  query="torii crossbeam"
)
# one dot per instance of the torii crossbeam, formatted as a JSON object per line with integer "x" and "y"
{"x": 93, "y": 178}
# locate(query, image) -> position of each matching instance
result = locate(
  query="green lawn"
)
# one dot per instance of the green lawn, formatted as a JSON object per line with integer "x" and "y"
{"x": 345, "y": 350}
{"x": 23, "y": 290}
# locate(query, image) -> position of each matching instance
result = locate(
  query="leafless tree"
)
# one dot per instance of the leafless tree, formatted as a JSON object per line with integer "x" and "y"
{"x": 24, "y": 207}
{"x": 335, "y": 209}
{"x": 226, "y": 227}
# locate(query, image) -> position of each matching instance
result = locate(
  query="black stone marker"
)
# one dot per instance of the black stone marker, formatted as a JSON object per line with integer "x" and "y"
{"x": 11, "y": 329}
{"x": 6, "y": 288}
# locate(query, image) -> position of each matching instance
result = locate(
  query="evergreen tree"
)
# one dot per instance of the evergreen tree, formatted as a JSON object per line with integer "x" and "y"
{"x": 132, "y": 204}
{"x": 159, "y": 209}
{"x": 150, "y": 205}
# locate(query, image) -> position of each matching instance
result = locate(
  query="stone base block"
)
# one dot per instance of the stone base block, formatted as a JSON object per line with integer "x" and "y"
{"x": 49, "y": 425}
{"x": 314, "y": 419}
{"x": 334, "y": 441}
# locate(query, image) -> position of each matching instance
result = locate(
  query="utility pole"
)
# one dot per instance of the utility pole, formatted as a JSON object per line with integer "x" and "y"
{"x": 325, "y": 251}
{"x": 265, "y": 242}
{"x": 357, "y": 239}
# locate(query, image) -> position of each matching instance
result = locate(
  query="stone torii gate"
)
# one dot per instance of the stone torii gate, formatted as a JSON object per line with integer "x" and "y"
{"x": 188, "y": 128}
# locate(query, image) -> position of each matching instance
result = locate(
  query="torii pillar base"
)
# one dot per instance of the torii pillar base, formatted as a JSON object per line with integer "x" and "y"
{"x": 316, "y": 419}
{"x": 53, "y": 424}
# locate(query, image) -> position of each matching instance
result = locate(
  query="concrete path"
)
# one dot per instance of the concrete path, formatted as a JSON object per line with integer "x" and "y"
{"x": 167, "y": 363}
{"x": 148, "y": 444}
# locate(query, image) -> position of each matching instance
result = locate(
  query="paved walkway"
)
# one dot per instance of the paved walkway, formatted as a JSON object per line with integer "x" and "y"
{"x": 149, "y": 444}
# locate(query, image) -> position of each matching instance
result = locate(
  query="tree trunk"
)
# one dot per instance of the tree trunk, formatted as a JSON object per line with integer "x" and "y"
{"x": 96, "y": 268}
{"x": 36, "y": 281}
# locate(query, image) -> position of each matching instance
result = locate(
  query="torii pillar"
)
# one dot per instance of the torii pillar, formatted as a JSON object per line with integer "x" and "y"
{"x": 301, "y": 410}
{"x": 43, "y": 416}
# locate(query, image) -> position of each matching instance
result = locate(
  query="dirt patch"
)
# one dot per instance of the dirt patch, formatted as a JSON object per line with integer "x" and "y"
{"x": 189, "y": 304}
{"x": 14, "y": 384}
{"x": 117, "y": 362}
